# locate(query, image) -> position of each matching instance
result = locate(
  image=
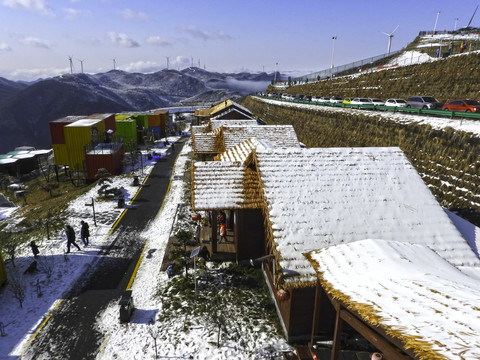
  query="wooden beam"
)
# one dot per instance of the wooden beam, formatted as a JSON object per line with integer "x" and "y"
{"x": 316, "y": 311}
{"x": 385, "y": 347}
{"x": 337, "y": 336}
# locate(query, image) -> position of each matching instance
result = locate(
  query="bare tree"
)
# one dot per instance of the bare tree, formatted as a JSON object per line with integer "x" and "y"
{"x": 46, "y": 265}
{"x": 17, "y": 287}
{"x": 10, "y": 244}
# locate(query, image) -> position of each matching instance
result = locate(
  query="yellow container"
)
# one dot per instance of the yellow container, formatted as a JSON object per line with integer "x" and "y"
{"x": 78, "y": 135}
{"x": 60, "y": 153}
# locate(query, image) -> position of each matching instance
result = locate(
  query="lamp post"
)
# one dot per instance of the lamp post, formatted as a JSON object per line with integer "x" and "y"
{"x": 93, "y": 208}
{"x": 455, "y": 27}
{"x": 333, "y": 50}
{"x": 436, "y": 20}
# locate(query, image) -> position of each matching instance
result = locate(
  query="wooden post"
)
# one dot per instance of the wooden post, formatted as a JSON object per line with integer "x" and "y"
{"x": 214, "y": 231}
{"x": 337, "y": 335}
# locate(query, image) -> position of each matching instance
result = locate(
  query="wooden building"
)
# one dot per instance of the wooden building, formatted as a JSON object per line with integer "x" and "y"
{"x": 225, "y": 110}
{"x": 213, "y": 140}
{"x": 108, "y": 156}
{"x": 311, "y": 199}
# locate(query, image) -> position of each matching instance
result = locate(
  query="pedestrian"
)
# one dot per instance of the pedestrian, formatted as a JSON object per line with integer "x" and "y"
{"x": 35, "y": 250}
{"x": 204, "y": 253}
{"x": 223, "y": 232}
{"x": 70, "y": 238}
{"x": 170, "y": 270}
{"x": 84, "y": 232}
{"x": 196, "y": 235}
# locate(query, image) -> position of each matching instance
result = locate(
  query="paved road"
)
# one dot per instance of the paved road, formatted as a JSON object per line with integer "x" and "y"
{"x": 70, "y": 332}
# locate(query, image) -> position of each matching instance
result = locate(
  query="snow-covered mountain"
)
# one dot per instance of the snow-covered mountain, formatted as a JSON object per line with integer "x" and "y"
{"x": 26, "y": 109}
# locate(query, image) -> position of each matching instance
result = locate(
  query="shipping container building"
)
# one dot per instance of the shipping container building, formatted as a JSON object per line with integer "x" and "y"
{"x": 108, "y": 119}
{"x": 56, "y": 128}
{"x": 127, "y": 133}
{"x": 105, "y": 155}
{"x": 77, "y": 136}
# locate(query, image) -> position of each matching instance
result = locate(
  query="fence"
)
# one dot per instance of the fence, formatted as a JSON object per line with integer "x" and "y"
{"x": 328, "y": 73}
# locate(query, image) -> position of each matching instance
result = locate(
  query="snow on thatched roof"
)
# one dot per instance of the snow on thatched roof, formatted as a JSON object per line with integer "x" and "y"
{"x": 224, "y": 185}
{"x": 276, "y": 135}
{"x": 204, "y": 140}
{"x": 316, "y": 198}
{"x": 227, "y": 105}
{"x": 215, "y": 124}
{"x": 242, "y": 151}
{"x": 409, "y": 291}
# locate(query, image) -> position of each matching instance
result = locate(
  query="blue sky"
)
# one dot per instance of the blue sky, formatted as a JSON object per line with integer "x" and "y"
{"x": 37, "y": 37}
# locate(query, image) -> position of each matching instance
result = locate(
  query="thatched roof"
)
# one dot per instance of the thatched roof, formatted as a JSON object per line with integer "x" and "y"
{"x": 276, "y": 135}
{"x": 224, "y": 185}
{"x": 409, "y": 291}
{"x": 316, "y": 198}
{"x": 215, "y": 124}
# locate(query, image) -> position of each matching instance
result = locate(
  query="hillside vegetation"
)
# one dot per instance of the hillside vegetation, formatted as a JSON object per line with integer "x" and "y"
{"x": 455, "y": 77}
{"x": 447, "y": 160}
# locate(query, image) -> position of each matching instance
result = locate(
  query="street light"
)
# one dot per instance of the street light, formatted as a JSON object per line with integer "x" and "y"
{"x": 435, "y": 27}
{"x": 455, "y": 27}
{"x": 333, "y": 50}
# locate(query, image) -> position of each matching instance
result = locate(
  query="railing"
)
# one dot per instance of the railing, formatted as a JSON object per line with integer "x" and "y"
{"x": 445, "y": 113}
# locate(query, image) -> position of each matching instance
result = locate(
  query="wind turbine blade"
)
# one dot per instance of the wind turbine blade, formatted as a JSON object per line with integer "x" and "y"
{"x": 472, "y": 16}
{"x": 395, "y": 29}
{"x": 385, "y": 33}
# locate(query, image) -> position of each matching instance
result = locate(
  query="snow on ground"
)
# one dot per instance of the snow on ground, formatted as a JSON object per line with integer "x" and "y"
{"x": 134, "y": 341}
{"x": 43, "y": 293}
{"x": 130, "y": 341}
{"x": 470, "y": 126}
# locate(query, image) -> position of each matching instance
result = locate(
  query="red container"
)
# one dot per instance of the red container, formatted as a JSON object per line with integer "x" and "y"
{"x": 56, "y": 128}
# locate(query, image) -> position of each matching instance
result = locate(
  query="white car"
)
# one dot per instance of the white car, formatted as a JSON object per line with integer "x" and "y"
{"x": 376, "y": 102}
{"x": 361, "y": 101}
{"x": 336, "y": 100}
{"x": 396, "y": 103}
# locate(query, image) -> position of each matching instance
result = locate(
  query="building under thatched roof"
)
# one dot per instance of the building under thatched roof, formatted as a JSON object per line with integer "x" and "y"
{"x": 226, "y": 137}
{"x": 406, "y": 290}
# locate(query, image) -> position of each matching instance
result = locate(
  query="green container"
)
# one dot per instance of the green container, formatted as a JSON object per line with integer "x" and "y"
{"x": 127, "y": 133}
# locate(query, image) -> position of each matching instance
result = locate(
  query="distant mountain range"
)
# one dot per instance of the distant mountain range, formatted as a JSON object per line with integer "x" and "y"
{"x": 27, "y": 108}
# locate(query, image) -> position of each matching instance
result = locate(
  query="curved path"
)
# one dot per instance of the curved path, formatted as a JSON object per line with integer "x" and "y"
{"x": 69, "y": 332}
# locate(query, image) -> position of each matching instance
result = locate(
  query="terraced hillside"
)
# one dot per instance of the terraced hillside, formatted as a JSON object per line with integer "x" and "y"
{"x": 455, "y": 77}
{"x": 447, "y": 160}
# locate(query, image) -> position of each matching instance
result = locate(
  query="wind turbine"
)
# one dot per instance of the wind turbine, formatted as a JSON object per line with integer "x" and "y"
{"x": 114, "y": 64}
{"x": 390, "y": 36}
{"x": 71, "y": 64}
{"x": 81, "y": 64}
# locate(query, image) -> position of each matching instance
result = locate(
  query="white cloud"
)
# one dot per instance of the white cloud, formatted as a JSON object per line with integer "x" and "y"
{"x": 180, "y": 61}
{"x": 129, "y": 14}
{"x": 144, "y": 66}
{"x": 158, "y": 41}
{"x": 205, "y": 35}
{"x": 72, "y": 14}
{"x": 31, "y": 41}
{"x": 122, "y": 40}
{"x": 4, "y": 47}
{"x": 38, "y": 6}
{"x": 33, "y": 74}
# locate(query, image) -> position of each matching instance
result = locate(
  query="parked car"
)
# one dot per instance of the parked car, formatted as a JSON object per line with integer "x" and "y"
{"x": 335, "y": 99}
{"x": 462, "y": 105}
{"x": 396, "y": 103}
{"x": 307, "y": 98}
{"x": 347, "y": 100}
{"x": 316, "y": 99}
{"x": 376, "y": 101}
{"x": 360, "y": 102}
{"x": 423, "y": 102}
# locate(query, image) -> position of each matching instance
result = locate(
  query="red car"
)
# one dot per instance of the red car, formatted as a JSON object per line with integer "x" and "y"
{"x": 462, "y": 105}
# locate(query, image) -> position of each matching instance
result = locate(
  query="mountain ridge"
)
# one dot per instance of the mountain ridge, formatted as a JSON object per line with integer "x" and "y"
{"x": 26, "y": 109}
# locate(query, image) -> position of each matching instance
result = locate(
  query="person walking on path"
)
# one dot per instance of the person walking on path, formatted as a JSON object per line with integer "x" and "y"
{"x": 196, "y": 235}
{"x": 35, "y": 250}
{"x": 70, "y": 238}
{"x": 84, "y": 232}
